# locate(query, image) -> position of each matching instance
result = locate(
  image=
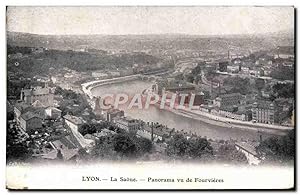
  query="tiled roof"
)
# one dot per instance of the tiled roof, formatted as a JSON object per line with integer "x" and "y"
{"x": 37, "y": 103}
{"x": 69, "y": 153}
{"x": 66, "y": 153}
{"x": 29, "y": 115}
{"x": 79, "y": 140}
{"x": 21, "y": 106}
{"x": 108, "y": 131}
{"x": 126, "y": 119}
{"x": 64, "y": 142}
{"x": 53, "y": 108}
{"x": 36, "y": 91}
{"x": 247, "y": 147}
{"x": 160, "y": 131}
{"x": 230, "y": 95}
{"x": 263, "y": 104}
{"x": 40, "y": 91}
{"x": 89, "y": 136}
{"x": 73, "y": 119}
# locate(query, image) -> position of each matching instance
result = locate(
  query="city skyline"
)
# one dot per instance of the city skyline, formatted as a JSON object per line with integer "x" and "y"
{"x": 150, "y": 20}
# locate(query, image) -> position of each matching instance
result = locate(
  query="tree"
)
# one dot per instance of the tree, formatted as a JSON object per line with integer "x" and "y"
{"x": 10, "y": 115}
{"x": 283, "y": 73}
{"x": 15, "y": 150}
{"x": 194, "y": 148}
{"x": 124, "y": 146}
{"x": 278, "y": 149}
{"x": 240, "y": 85}
{"x": 259, "y": 84}
{"x": 283, "y": 90}
{"x": 197, "y": 70}
{"x": 177, "y": 146}
{"x": 190, "y": 78}
{"x": 104, "y": 149}
{"x": 144, "y": 145}
{"x": 87, "y": 129}
{"x": 198, "y": 147}
{"x": 195, "y": 75}
{"x": 227, "y": 153}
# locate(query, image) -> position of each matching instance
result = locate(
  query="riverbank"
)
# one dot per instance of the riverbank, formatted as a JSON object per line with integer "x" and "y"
{"x": 229, "y": 123}
{"x": 184, "y": 120}
{"x": 89, "y": 86}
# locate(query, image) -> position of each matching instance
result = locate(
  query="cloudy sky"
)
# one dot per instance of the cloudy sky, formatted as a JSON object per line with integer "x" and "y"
{"x": 150, "y": 20}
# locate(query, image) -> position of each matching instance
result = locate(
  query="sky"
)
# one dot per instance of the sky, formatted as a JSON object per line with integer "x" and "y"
{"x": 150, "y": 20}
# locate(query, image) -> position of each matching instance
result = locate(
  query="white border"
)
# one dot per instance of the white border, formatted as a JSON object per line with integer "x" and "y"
{"x": 112, "y": 2}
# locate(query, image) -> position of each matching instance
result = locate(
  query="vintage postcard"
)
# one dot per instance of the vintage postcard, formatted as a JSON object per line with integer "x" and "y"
{"x": 150, "y": 98}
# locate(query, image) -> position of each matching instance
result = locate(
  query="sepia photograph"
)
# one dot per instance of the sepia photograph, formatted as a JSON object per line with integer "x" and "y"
{"x": 150, "y": 97}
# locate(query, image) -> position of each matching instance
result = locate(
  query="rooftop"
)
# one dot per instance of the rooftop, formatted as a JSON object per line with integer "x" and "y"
{"x": 230, "y": 95}
{"x": 159, "y": 130}
{"x": 114, "y": 110}
{"x": 126, "y": 118}
{"x": 66, "y": 154}
{"x": 74, "y": 119}
{"x": 53, "y": 108}
{"x": 29, "y": 115}
{"x": 263, "y": 104}
{"x": 36, "y": 91}
{"x": 247, "y": 147}
{"x": 64, "y": 142}
{"x": 37, "y": 103}
{"x": 21, "y": 106}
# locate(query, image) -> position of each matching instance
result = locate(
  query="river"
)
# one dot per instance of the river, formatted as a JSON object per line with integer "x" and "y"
{"x": 172, "y": 120}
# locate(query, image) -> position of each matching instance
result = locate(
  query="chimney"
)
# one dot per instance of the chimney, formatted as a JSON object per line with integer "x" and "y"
{"x": 152, "y": 131}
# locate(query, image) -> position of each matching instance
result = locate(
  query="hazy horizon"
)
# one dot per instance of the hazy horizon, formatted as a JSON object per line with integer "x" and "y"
{"x": 194, "y": 21}
{"x": 183, "y": 34}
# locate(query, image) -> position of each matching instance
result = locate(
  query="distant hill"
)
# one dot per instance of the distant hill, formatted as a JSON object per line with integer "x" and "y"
{"x": 142, "y": 42}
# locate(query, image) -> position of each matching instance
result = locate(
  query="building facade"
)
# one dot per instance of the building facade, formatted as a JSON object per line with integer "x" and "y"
{"x": 223, "y": 66}
{"x": 228, "y": 100}
{"x": 128, "y": 124}
{"x": 43, "y": 95}
{"x": 263, "y": 112}
{"x": 52, "y": 113}
{"x": 73, "y": 122}
{"x": 113, "y": 113}
{"x": 30, "y": 121}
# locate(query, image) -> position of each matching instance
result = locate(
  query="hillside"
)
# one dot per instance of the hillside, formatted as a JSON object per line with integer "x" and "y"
{"x": 152, "y": 42}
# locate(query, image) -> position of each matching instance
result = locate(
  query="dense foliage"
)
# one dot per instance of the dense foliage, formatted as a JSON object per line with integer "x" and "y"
{"x": 227, "y": 153}
{"x": 278, "y": 149}
{"x": 238, "y": 84}
{"x": 283, "y": 73}
{"x": 281, "y": 90}
{"x": 39, "y": 63}
{"x": 16, "y": 150}
{"x": 121, "y": 146}
{"x": 193, "y": 148}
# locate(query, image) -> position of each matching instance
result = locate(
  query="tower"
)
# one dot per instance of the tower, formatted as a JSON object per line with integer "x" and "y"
{"x": 97, "y": 104}
{"x": 228, "y": 55}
